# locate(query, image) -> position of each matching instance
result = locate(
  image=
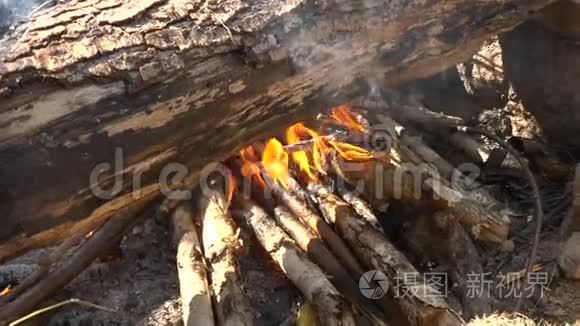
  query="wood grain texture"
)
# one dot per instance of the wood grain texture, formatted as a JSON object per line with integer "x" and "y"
{"x": 191, "y": 81}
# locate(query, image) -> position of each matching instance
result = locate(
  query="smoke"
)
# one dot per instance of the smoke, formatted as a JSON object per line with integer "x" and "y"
{"x": 13, "y": 11}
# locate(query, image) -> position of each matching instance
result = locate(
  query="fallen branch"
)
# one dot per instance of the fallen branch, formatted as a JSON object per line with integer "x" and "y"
{"x": 56, "y": 306}
{"x": 74, "y": 232}
{"x": 421, "y": 305}
{"x": 220, "y": 246}
{"x": 77, "y": 233}
{"x": 307, "y": 277}
{"x": 102, "y": 240}
{"x": 196, "y": 302}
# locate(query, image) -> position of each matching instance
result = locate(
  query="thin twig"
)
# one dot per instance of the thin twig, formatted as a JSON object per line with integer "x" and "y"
{"x": 226, "y": 27}
{"x": 536, "y": 197}
{"x": 58, "y": 305}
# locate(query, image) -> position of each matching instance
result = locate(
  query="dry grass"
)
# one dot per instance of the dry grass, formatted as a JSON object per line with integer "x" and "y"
{"x": 510, "y": 319}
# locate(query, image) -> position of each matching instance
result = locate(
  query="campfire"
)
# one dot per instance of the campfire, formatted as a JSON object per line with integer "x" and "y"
{"x": 317, "y": 200}
{"x": 281, "y": 162}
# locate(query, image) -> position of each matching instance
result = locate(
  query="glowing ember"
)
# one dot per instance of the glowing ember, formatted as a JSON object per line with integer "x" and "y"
{"x": 347, "y": 118}
{"x": 231, "y": 188}
{"x": 351, "y": 152}
{"x": 90, "y": 234}
{"x": 250, "y": 165}
{"x": 6, "y": 290}
{"x": 275, "y": 161}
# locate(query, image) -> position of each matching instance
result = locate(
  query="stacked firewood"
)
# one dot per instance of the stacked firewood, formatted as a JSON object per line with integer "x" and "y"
{"x": 318, "y": 201}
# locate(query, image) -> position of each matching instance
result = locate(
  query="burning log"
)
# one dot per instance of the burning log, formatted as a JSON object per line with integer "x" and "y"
{"x": 275, "y": 161}
{"x": 74, "y": 87}
{"x": 308, "y": 278}
{"x": 220, "y": 244}
{"x": 307, "y": 239}
{"x": 196, "y": 302}
{"x": 102, "y": 240}
{"x": 421, "y": 305}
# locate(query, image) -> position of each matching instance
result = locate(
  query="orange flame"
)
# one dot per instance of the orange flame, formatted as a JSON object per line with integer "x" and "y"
{"x": 344, "y": 115}
{"x": 300, "y": 132}
{"x": 231, "y": 188}
{"x": 250, "y": 165}
{"x": 351, "y": 152}
{"x": 275, "y": 161}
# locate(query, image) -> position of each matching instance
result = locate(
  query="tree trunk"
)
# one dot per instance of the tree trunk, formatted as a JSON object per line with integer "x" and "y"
{"x": 189, "y": 82}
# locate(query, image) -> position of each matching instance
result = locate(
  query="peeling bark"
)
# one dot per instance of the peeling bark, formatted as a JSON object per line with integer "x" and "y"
{"x": 196, "y": 303}
{"x": 161, "y": 78}
{"x": 221, "y": 243}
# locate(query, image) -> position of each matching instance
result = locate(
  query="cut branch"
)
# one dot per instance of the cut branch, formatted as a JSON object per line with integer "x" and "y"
{"x": 196, "y": 302}
{"x": 221, "y": 243}
{"x": 298, "y": 207}
{"x": 319, "y": 253}
{"x": 308, "y": 278}
{"x": 103, "y": 239}
{"x": 422, "y": 305}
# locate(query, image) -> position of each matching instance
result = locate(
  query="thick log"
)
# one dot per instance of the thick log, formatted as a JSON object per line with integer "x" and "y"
{"x": 158, "y": 78}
